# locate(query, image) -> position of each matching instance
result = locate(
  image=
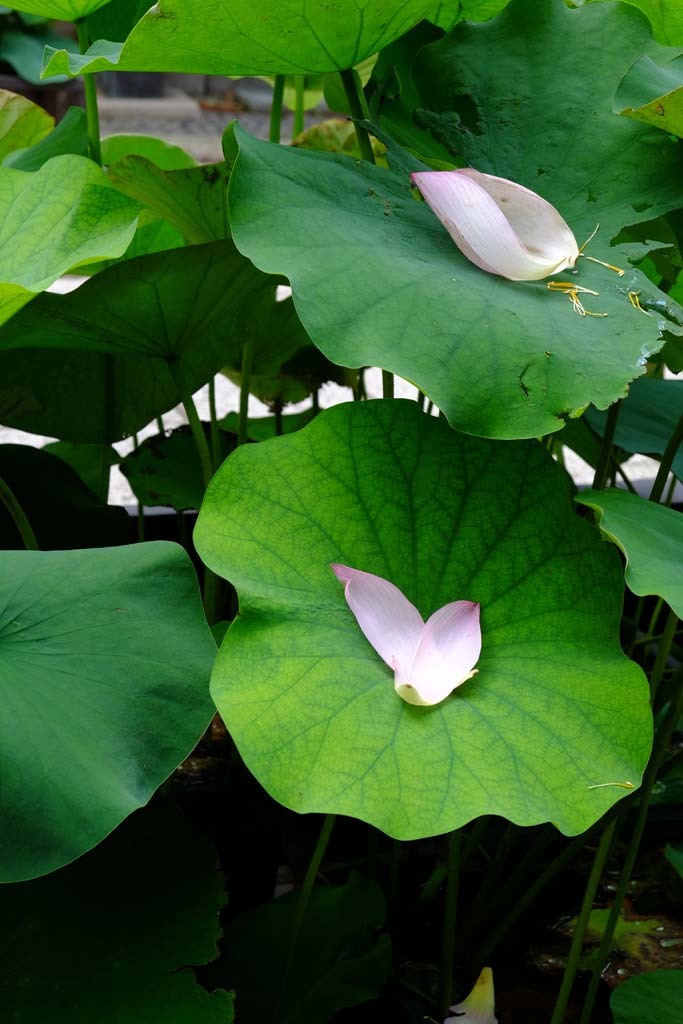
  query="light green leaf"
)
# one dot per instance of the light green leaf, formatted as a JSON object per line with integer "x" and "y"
{"x": 333, "y": 967}
{"x": 312, "y": 708}
{"x": 193, "y": 199}
{"x": 69, "y": 371}
{"x": 651, "y": 538}
{"x": 54, "y": 219}
{"x": 104, "y": 660}
{"x": 22, "y": 123}
{"x": 69, "y": 136}
{"x": 268, "y": 39}
{"x": 60, "y": 10}
{"x": 109, "y": 938}
{"x": 653, "y": 94}
{"x": 377, "y": 281}
{"x": 654, "y": 998}
{"x": 162, "y": 154}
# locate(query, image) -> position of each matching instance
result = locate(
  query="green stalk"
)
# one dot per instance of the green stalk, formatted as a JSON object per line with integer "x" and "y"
{"x": 602, "y": 467}
{"x": 19, "y": 518}
{"x": 355, "y": 101}
{"x": 298, "y": 125}
{"x": 91, "y": 112}
{"x": 140, "y": 517}
{"x": 276, "y": 109}
{"x": 215, "y": 429}
{"x": 661, "y": 744}
{"x": 245, "y": 384}
{"x": 387, "y": 384}
{"x": 527, "y": 898}
{"x": 196, "y": 425}
{"x": 450, "y": 913}
{"x": 582, "y": 923}
{"x": 305, "y": 894}
{"x": 667, "y": 461}
{"x": 394, "y": 874}
{"x": 663, "y": 651}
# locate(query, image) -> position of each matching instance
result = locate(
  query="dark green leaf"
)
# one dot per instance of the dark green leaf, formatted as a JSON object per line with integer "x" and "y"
{"x": 87, "y": 461}
{"x": 62, "y": 510}
{"x": 112, "y": 937}
{"x": 104, "y": 662}
{"x": 22, "y": 123}
{"x": 70, "y": 136}
{"x": 653, "y": 94}
{"x": 654, "y": 998}
{"x": 339, "y": 959}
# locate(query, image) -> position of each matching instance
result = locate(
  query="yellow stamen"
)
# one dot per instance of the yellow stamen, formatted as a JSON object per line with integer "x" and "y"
{"x": 610, "y": 266}
{"x": 568, "y": 287}
{"x": 621, "y": 785}
{"x": 593, "y": 259}
{"x": 572, "y": 290}
{"x": 635, "y": 302}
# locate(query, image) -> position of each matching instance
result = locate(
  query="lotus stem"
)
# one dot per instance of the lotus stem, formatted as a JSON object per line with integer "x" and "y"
{"x": 19, "y": 517}
{"x": 450, "y": 913}
{"x": 667, "y": 461}
{"x": 355, "y": 102}
{"x": 89, "y": 84}
{"x": 276, "y": 109}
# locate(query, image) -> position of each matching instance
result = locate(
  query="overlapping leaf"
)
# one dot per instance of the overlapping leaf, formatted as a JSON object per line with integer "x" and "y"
{"x": 60, "y": 10}
{"x": 22, "y": 123}
{"x": 113, "y": 937}
{"x": 377, "y": 280}
{"x": 238, "y": 39}
{"x": 556, "y": 709}
{"x": 653, "y": 94}
{"x": 651, "y": 537}
{"x": 93, "y": 366}
{"x": 53, "y": 220}
{"x": 104, "y": 662}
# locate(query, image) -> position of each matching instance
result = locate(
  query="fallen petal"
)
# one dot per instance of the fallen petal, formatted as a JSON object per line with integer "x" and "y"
{"x": 387, "y": 618}
{"x": 448, "y": 649}
{"x": 480, "y": 1003}
{"x": 499, "y": 226}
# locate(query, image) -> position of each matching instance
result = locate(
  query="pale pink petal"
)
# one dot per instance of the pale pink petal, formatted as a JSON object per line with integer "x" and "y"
{"x": 448, "y": 650}
{"x": 387, "y": 618}
{"x": 499, "y": 226}
{"x": 479, "y": 1006}
{"x": 539, "y": 226}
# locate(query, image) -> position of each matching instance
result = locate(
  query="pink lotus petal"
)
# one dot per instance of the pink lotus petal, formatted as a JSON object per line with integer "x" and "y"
{"x": 387, "y": 618}
{"x": 499, "y": 226}
{"x": 446, "y": 654}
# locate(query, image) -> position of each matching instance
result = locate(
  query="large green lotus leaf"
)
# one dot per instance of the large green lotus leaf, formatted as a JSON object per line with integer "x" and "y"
{"x": 104, "y": 663}
{"x": 647, "y": 419}
{"x": 237, "y": 39}
{"x": 116, "y": 19}
{"x": 54, "y": 219}
{"x": 22, "y": 123}
{"x": 86, "y": 460}
{"x": 111, "y": 938}
{"x": 93, "y": 366}
{"x": 193, "y": 199}
{"x": 666, "y": 18}
{"x": 378, "y": 281}
{"x": 556, "y": 708}
{"x": 60, "y": 10}
{"x": 333, "y": 967}
{"x": 492, "y": 93}
{"x": 653, "y": 94}
{"x": 674, "y": 854}
{"x": 652, "y": 998}
{"x": 651, "y": 537}
{"x": 62, "y": 510}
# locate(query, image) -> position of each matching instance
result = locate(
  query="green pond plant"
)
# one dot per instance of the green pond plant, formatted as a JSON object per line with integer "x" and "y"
{"x": 404, "y": 653}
